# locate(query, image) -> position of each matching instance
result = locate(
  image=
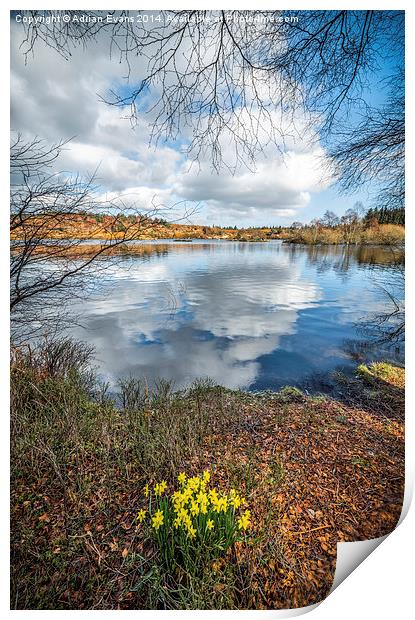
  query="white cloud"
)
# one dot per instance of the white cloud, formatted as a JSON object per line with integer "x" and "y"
{"x": 57, "y": 99}
{"x": 119, "y": 172}
{"x": 281, "y": 184}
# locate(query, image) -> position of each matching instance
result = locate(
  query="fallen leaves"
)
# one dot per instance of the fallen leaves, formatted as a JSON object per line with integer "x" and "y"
{"x": 44, "y": 518}
{"x": 314, "y": 471}
{"x": 342, "y": 482}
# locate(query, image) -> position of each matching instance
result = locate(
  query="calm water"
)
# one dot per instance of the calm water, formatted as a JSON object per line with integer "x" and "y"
{"x": 247, "y": 315}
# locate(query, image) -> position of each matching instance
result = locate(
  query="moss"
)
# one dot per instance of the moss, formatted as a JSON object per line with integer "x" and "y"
{"x": 291, "y": 394}
{"x": 383, "y": 371}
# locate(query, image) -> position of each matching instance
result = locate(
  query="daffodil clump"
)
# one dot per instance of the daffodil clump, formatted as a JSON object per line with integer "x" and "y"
{"x": 195, "y": 522}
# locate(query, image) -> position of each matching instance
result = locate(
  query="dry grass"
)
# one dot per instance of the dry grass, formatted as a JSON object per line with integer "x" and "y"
{"x": 382, "y": 234}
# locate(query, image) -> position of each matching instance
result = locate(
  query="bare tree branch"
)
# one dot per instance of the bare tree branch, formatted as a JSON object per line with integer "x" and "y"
{"x": 224, "y": 75}
{"x": 50, "y": 264}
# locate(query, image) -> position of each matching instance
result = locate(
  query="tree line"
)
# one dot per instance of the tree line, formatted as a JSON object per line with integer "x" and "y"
{"x": 383, "y": 215}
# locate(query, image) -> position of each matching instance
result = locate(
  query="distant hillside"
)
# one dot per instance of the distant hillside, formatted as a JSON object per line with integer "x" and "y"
{"x": 367, "y": 231}
{"x": 110, "y": 227}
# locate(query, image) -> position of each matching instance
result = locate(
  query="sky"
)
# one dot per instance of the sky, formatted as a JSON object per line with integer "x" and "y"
{"x": 57, "y": 99}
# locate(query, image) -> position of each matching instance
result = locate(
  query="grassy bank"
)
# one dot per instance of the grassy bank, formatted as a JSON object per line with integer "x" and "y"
{"x": 313, "y": 470}
{"x": 382, "y": 234}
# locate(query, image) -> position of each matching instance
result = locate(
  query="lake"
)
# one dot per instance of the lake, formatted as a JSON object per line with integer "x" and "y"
{"x": 248, "y": 315}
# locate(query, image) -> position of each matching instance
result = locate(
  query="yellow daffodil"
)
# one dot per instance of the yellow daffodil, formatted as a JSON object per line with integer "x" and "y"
{"x": 216, "y": 505}
{"x": 183, "y": 515}
{"x": 235, "y": 501}
{"x": 222, "y": 504}
{"x": 141, "y": 515}
{"x": 176, "y": 498}
{"x": 213, "y": 495}
{"x": 194, "y": 508}
{"x": 244, "y": 521}
{"x": 160, "y": 488}
{"x": 191, "y": 531}
{"x": 187, "y": 495}
{"x": 201, "y": 496}
{"x": 193, "y": 483}
{"x": 178, "y": 512}
{"x": 158, "y": 519}
{"x": 188, "y": 521}
{"x": 203, "y": 502}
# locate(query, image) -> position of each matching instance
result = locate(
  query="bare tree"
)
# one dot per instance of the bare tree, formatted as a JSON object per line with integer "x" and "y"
{"x": 244, "y": 76}
{"x": 50, "y": 264}
{"x": 315, "y": 227}
{"x": 388, "y": 325}
{"x": 296, "y": 225}
{"x": 350, "y": 224}
{"x": 330, "y": 219}
{"x": 375, "y": 150}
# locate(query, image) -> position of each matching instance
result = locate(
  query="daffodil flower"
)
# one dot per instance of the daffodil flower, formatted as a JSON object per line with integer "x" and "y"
{"x": 158, "y": 519}
{"x": 182, "y": 477}
{"x": 141, "y": 515}
{"x": 244, "y": 521}
{"x": 194, "y": 508}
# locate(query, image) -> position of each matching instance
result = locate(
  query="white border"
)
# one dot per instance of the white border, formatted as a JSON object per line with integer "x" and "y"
{"x": 382, "y": 586}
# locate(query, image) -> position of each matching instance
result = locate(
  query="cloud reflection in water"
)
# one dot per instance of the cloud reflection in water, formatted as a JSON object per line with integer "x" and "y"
{"x": 210, "y": 312}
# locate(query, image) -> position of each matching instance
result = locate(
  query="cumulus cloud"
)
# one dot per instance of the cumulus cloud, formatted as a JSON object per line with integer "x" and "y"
{"x": 57, "y": 99}
{"x": 279, "y": 185}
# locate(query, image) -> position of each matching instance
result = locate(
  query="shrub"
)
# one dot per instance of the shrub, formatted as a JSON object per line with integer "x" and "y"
{"x": 289, "y": 393}
{"x": 391, "y": 234}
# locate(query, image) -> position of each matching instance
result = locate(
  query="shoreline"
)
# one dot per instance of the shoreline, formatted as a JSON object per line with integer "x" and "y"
{"x": 383, "y": 234}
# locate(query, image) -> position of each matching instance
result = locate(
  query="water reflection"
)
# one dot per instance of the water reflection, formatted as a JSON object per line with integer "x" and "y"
{"x": 247, "y": 315}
